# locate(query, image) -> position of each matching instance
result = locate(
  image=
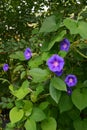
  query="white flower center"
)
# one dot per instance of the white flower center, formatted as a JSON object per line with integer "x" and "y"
{"x": 28, "y": 54}
{"x": 65, "y": 45}
{"x": 56, "y": 63}
{"x": 70, "y": 80}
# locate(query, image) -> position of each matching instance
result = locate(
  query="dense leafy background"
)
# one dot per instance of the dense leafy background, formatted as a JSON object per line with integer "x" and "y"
{"x": 31, "y": 96}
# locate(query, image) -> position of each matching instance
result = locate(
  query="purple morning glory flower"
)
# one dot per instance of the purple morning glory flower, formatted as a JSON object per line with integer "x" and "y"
{"x": 55, "y": 63}
{"x": 27, "y": 53}
{"x": 69, "y": 90}
{"x": 5, "y": 67}
{"x": 65, "y": 45}
{"x": 71, "y": 80}
{"x": 59, "y": 73}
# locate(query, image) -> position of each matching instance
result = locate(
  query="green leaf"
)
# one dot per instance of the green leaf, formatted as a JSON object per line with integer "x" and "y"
{"x": 33, "y": 97}
{"x": 76, "y": 27}
{"x": 79, "y": 98}
{"x": 16, "y": 114}
{"x": 58, "y": 84}
{"x": 30, "y": 124}
{"x": 25, "y": 84}
{"x": 80, "y": 124}
{"x": 71, "y": 25}
{"x": 57, "y": 38}
{"x": 22, "y": 91}
{"x": 10, "y": 126}
{"x": 35, "y": 94}
{"x": 82, "y": 30}
{"x": 28, "y": 106}
{"x": 65, "y": 103}
{"x": 54, "y": 93}
{"x": 10, "y": 105}
{"x": 85, "y": 83}
{"x": 49, "y": 124}
{"x": 62, "y": 53}
{"x": 18, "y": 55}
{"x": 43, "y": 105}
{"x": 45, "y": 56}
{"x": 49, "y": 24}
{"x": 23, "y": 74}
{"x": 74, "y": 114}
{"x": 39, "y": 89}
{"x": 39, "y": 75}
{"x": 35, "y": 62}
{"x": 38, "y": 114}
{"x": 19, "y": 104}
{"x": 18, "y": 68}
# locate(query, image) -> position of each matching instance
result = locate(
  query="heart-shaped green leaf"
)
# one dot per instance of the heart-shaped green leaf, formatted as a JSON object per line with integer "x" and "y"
{"x": 30, "y": 124}
{"x": 38, "y": 115}
{"x": 54, "y": 93}
{"x": 79, "y": 98}
{"x": 65, "y": 103}
{"x": 49, "y": 124}
{"x": 71, "y": 25}
{"x": 49, "y": 24}
{"x": 82, "y": 30}
{"x": 80, "y": 124}
{"x": 16, "y": 114}
{"x": 58, "y": 84}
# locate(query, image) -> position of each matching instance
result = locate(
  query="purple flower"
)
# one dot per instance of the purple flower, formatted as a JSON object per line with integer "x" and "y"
{"x": 69, "y": 90}
{"x": 71, "y": 80}
{"x": 55, "y": 63}
{"x": 27, "y": 53}
{"x": 5, "y": 67}
{"x": 65, "y": 45}
{"x": 59, "y": 73}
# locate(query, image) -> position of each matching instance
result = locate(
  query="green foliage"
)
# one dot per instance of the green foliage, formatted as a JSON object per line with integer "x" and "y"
{"x": 72, "y": 25}
{"x": 38, "y": 74}
{"x": 82, "y": 30}
{"x": 54, "y": 93}
{"x": 57, "y": 38}
{"x": 30, "y": 124}
{"x": 28, "y": 107}
{"x": 22, "y": 91}
{"x": 38, "y": 115}
{"x": 79, "y": 98}
{"x": 58, "y": 84}
{"x": 50, "y": 24}
{"x": 44, "y": 105}
{"x": 18, "y": 55}
{"x": 33, "y": 97}
{"x": 16, "y": 114}
{"x": 62, "y": 53}
{"x": 65, "y": 103}
{"x": 35, "y": 62}
{"x": 49, "y": 124}
{"x": 76, "y": 27}
{"x": 80, "y": 124}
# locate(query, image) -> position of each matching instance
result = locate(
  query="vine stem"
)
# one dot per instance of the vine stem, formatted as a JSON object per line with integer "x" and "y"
{"x": 80, "y": 53}
{"x": 43, "y": 96}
